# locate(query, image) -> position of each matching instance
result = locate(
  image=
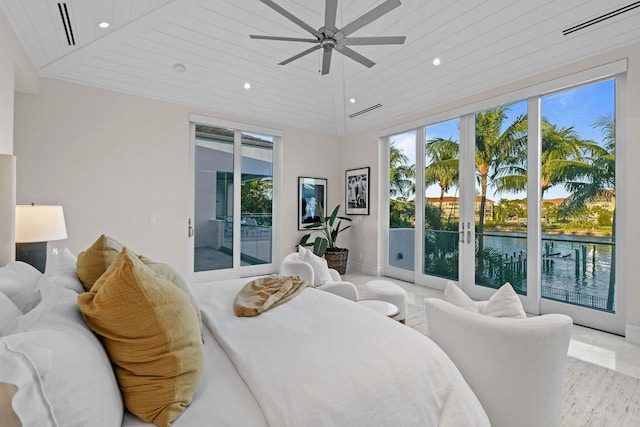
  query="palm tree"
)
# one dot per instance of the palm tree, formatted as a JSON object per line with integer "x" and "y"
{"x": 496, "y": 152}
{"x": 443, "y": 169}
{"x": 596, "y": 177}
{"x": 401, "y": 175}
{"x": 562, "y": 151}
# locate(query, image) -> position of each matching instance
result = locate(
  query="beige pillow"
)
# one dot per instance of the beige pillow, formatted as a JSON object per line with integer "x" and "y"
{"x": 152, "y": 335}
{"x": 166, "y": 271}
{"x": 94, "y": 261}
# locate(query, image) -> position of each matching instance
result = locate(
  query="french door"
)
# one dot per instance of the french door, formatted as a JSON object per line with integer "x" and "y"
{"x": 233, "y": 188}
{"x": 523, "y": 193}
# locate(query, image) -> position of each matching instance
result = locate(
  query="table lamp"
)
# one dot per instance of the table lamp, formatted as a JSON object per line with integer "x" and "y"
{"x": 35, "y": 226}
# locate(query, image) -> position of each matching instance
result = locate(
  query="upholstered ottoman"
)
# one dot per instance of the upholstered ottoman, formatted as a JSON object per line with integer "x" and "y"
{"x": 390, "y": 292}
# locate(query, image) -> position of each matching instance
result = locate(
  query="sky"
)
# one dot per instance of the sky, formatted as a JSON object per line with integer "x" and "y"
{"x": 578, "y": 107}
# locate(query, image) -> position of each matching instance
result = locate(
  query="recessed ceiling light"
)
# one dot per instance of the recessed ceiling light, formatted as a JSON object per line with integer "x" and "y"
{"x": 103, "y": 24}
{"x": 247, "y": 85}
{"x": 180, "y": 68}
{"x": 436, "y": 61}
{"x": 352, "y": 100}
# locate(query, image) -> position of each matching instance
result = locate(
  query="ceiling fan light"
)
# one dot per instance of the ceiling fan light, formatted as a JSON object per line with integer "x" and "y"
{"x": 436, "y": 61}
{"x": 247, "y": 85}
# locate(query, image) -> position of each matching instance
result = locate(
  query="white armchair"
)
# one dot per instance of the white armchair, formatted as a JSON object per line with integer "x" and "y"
{"x": 514, "y": 366}
{"x": 294, "y": 265}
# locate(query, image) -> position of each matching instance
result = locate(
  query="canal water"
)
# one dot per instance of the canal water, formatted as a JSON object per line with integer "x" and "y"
{"x": 589, "y": 276}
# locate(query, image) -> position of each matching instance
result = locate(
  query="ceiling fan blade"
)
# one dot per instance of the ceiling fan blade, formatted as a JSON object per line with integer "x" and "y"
{"x": 290, "y": 16}
{"x": 374, "y": 40}
{"x": 326, "y": 60}
{"x": 330, "y": 9}
{"x": 286, "y": 39}
{"x": 300, "y": 55}
{"x": 370, "y": 16}
{"x": 355, "y": 56}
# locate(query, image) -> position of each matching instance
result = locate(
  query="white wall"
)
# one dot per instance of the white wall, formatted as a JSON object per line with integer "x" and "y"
{"x": 361, "y": 150}
{"x": 113, "y": 159}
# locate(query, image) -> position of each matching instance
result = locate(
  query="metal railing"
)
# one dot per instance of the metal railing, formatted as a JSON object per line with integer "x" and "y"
{"x": 568, "y": 263}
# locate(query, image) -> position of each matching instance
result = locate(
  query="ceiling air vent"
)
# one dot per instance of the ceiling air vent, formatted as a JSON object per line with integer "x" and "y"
{"x": 366, "y": 110}
{"x": 601, "y": 18}
{"x": 66, "y": 23}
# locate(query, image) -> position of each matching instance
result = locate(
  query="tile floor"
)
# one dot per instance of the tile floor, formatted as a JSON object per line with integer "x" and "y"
{"x": 597, "y": 347}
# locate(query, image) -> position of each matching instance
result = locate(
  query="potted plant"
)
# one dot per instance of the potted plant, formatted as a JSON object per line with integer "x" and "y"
{"x": 325, "y": 245}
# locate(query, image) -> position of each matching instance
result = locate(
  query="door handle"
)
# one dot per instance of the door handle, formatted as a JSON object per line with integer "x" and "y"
{"x": 190, "y": 229}
{"x": 468, "y": 232}
{"x": 462, "y": 234}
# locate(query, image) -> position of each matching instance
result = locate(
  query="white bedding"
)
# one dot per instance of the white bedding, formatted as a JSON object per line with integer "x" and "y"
{"x": 222, "y": 399}
{"x": 321, "y": 360}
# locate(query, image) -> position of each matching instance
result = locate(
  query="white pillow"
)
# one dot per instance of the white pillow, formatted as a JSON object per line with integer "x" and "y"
{"x": 18, "y": 281}
{"x": 8, "y": 312}
{"x": 61, "y": 271}
{"x": 61, "y": 369}
{"x": 456, "y": 296}
{"x": 320, "y": 268}
{"x": 58, "y": 381}
{"x": 504, "y": 303}
{"x": 301, "y": 251}
{"x": 58, "y": 310}
{"x": 62, "y": 262}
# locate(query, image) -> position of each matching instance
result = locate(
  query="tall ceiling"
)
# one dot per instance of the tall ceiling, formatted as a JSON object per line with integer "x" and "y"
{"x": 481, "y": 44}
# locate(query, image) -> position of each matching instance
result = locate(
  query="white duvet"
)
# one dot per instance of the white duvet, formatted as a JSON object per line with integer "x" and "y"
{"x": 322, "y": 360}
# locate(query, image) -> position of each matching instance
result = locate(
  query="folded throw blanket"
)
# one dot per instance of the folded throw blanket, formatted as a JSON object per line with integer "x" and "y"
{"x": 264, "y": 293}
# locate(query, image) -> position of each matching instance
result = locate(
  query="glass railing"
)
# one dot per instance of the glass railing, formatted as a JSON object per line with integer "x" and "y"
{"x": 578, "y": 270}
{"x": 441, "y": 253}
{"x": 255, "y": 242}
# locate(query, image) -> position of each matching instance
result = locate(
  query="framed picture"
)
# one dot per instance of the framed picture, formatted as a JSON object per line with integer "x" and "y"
{"x": 357, "y": 191}
{"x": 312, "y": 193}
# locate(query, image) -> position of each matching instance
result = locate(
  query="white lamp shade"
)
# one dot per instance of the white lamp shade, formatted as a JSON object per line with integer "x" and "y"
{"x": 39, "y": 223}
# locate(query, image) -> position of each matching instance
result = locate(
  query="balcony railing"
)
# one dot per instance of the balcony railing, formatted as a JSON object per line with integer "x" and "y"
{"x": 578, "y": 270}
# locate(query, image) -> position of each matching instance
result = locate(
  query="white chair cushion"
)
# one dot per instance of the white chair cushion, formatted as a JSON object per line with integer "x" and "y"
{"x": 320, "y": 268}
{"x": 456, "y": 296}
{"x": 504, "y": 303}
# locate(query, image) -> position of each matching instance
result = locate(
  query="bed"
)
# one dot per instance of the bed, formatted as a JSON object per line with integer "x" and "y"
{"x": 316, "y": 360}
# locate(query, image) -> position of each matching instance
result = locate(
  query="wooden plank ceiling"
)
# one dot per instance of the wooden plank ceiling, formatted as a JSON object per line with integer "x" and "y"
{"x": 481, "y": 44}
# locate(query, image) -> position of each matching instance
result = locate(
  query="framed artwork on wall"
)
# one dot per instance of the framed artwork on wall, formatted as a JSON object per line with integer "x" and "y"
{"x": 312, "y": 193}
{"x": 357, "y": 191}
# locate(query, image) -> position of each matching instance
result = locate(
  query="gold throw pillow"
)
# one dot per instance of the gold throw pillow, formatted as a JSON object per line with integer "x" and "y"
{"x": 152, "y": 335}
{"x": 94, "y": 261}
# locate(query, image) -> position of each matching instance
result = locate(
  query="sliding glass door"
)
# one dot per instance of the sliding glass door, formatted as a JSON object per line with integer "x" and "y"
{"x": 500, "y": 197}
{"x": 523, "y": 193}
{"x": 578, "y": 203}
{"x": 442, "y": 200}
{"x": 402, "y": 205}
{"x": 233, "y": 200}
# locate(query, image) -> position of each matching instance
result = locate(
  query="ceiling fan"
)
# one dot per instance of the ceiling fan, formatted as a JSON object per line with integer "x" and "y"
{"x": 329, "y": 37}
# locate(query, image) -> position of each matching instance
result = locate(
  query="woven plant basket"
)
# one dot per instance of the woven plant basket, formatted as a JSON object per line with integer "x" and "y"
{"x": 337, "y": 260}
